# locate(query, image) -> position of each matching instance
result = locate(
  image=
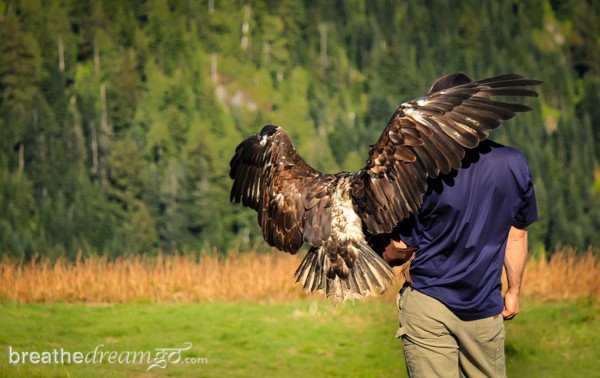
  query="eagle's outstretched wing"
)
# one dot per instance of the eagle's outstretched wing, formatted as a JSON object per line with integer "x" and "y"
{"x": 291, "y": 198}
{"x": 426, "y": 137}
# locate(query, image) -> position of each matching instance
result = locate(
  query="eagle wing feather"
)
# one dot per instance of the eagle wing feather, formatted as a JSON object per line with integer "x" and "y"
{"x": 426, "y": 137}
{"x": 292, "y": 199}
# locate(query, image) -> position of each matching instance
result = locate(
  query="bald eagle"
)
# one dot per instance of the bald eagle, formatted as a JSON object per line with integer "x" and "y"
{"x": 335, "y": 214}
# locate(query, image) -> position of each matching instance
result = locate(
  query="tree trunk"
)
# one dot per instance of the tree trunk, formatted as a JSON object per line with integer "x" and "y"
{"x": 61, "y": 54}
{"x": 21, "y": 158}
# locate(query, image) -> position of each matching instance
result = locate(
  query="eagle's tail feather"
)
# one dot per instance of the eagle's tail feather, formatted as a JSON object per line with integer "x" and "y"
{"x": 370, "y": 275}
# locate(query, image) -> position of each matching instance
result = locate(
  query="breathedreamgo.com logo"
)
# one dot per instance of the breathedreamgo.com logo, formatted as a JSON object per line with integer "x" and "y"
{"x": 158, "y": 358}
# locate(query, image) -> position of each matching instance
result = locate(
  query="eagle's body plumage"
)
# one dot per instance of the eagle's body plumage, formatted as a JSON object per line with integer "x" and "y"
{"x": 297, "y": 204}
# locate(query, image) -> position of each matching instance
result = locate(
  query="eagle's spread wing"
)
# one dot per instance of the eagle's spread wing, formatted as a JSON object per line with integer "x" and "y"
{"x": 427, "y": 136}
{"x": 292, "y": 199}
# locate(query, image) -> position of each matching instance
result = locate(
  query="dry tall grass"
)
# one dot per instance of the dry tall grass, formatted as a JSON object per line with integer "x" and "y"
{"x": 566, "y": 275}
{"x": 238, "y": 277}
{"x": 173, "y": 278}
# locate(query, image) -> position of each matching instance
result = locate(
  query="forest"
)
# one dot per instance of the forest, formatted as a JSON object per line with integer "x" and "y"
{"x": 118, "y": 118}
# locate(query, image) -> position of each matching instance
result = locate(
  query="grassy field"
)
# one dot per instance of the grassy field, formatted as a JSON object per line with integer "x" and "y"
{"x": 302, "y": 338}
{"x": 243, "y": 316}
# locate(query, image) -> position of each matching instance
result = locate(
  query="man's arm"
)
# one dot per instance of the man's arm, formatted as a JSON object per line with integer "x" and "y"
{"x": 514, "y": 263}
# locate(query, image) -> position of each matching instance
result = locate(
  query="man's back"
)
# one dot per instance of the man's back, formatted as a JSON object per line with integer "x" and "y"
{"x": 461, "y": 229}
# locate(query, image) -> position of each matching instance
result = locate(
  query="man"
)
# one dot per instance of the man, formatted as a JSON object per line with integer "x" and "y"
{"x": 472, "y": 223}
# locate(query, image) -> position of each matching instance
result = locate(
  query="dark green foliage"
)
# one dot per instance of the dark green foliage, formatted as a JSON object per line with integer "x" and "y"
{"x": 118, "y": 119}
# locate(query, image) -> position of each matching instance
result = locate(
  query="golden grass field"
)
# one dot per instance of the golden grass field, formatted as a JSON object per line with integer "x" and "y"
{"x": 253, "y": 276}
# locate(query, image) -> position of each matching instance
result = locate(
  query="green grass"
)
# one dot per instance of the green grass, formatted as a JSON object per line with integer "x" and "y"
{"x": 555, "y": 340}
{"x": 300, "y": 339}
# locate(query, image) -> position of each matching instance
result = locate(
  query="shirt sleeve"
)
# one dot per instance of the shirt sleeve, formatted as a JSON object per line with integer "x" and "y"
{"x": 406, "y": 231}
{"x": 526, "y": 210}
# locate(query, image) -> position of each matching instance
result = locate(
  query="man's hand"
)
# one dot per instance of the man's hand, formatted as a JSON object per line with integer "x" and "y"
{"x": 397, "y": 253}
{"x": 511, "y": 305}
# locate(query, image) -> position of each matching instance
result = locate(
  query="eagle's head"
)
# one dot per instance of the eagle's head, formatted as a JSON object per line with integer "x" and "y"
{"x": 267, "y": 133}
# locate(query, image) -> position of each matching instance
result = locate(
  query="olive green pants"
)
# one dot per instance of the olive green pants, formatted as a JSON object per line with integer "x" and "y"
{"x": 438, "y": 344}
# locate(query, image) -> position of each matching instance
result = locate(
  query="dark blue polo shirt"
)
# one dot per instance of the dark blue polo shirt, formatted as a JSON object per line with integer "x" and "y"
{"x": 462, "y": 228}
